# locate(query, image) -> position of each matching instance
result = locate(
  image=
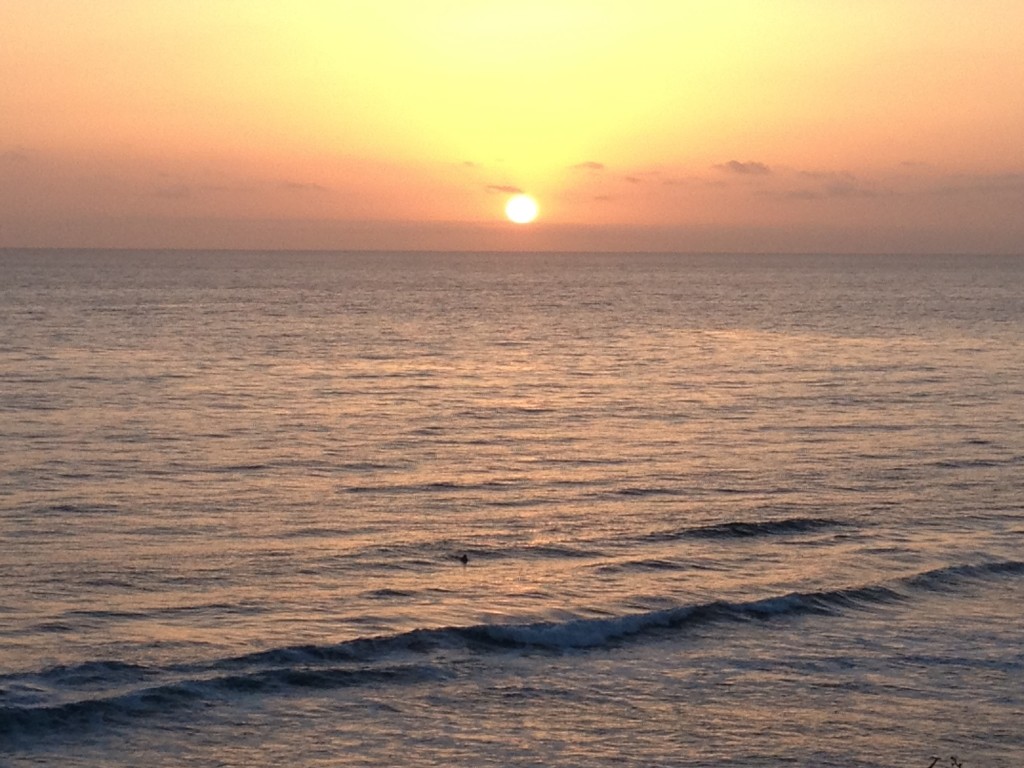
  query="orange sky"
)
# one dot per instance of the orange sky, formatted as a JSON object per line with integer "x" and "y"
{"x": 735, "y": 125}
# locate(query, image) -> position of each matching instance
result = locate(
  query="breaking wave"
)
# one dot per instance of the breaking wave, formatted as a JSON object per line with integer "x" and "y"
{"x": 97, "y": 693}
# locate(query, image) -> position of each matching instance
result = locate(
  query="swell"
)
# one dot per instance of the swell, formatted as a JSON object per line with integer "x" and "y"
{"x": 741, "y": 529}
{"x": 110, "y": 692}
{"x": 19, "y": 724}
{"x": 593, "y": 548}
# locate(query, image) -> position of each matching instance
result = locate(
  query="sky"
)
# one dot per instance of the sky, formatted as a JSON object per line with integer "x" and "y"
{"x": 647, "y": 125}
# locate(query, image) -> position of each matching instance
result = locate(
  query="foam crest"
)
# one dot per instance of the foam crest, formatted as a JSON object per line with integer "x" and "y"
{"x": 100, "y": 693}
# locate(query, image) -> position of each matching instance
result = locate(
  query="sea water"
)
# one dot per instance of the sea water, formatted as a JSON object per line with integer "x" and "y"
{"x": 715, "y": 510}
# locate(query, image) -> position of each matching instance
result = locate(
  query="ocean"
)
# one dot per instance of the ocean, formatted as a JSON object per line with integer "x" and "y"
{"x": 496, "y": 509}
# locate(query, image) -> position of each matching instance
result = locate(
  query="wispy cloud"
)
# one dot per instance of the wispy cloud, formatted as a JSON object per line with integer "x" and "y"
{"x": 828, "y": 176}
{"x": 15, "y": 155}
{"x": 172, "y": 189}
{"x": 504, "y": 188}
{"x": 173, "y": 192}
{"x": 905, "y": 183}
{"x": 303, "y": 186}
{"x": 589, "y": 165}
{"x": 849, "y": 189}
{"x": 749, "y": 168}
{"x": 825, "y": 185}
{"x": 1000, "y": 183}
{"x": 842, "y": 189}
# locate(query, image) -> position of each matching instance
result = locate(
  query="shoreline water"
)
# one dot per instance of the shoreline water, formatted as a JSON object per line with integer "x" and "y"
{"x": 727, "y": 511}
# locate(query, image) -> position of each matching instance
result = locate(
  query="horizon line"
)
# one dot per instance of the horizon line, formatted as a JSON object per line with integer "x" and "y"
{"x": 512, "y": 252}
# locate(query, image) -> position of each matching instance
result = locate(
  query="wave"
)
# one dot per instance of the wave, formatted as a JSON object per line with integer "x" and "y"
{"x": 742, "y": 529}
{"x": 112, "y": 692}
{"x": 979, "y": 463}
{"x": 26, "y": 722}
{"x": 598, "y": 632}
{"x": 600, "y": 546}
{"x": 644, "y": 491}
{"x": 647, "y": 564}
{"x": 950, "y": 577}
{"x": 453, "y": 548}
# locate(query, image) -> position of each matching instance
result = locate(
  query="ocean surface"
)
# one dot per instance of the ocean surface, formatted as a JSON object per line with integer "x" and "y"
{"x": 716, "y": 510}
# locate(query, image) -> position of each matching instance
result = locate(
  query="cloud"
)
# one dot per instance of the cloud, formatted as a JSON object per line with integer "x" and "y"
{"x": 589, "y": 165}
{"x": 848, "y": 189}
{"x": 634, "y": 179}
{"x": 174, "y": 192}
{"x": 504, "y": 188}
{"x": 692, "y": 182}
{"x": 749, "y": 168}
{"x": 303, "y": 186}
{"x": 829, "y": 176}
{"x": 16, "y": 155}
{"x": 827, "y": 185}
{"x": 174, "y": 189}
{"x": 999, "y": 184}
{"x": 843, "y": 185}
{"x": 841, "y": 189}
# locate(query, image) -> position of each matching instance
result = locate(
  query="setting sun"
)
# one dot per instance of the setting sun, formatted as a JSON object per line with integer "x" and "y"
{"x": 659, "y": 125}
{"x": 521, "y": 209}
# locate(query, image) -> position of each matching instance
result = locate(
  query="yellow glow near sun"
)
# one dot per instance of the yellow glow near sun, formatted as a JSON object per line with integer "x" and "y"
{"x": 521, "y": 209}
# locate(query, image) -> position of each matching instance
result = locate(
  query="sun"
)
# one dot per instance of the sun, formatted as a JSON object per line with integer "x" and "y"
{"x": 521, "y": 209}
